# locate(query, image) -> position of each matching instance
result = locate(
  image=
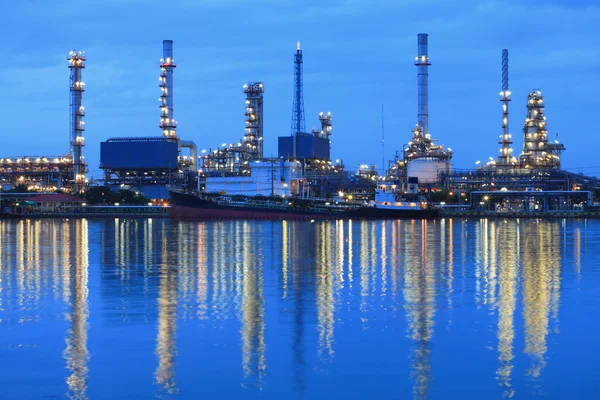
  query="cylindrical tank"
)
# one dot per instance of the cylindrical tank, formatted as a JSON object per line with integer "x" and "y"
{"x": 427, "y": 169}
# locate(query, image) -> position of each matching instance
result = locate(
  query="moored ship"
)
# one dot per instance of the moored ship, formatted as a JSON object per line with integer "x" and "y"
{"x": 387, "y": 205}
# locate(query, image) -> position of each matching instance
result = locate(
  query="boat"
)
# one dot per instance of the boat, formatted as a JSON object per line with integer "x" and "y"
{"x": 388, "y": 204}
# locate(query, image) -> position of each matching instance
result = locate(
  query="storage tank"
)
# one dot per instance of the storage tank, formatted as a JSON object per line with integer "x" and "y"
{"x": 427, "y": 169}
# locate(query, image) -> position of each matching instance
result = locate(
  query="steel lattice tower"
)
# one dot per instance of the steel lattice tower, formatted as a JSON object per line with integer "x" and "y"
{"x": 76, "y": 65}
{"x": 298, "y": 124}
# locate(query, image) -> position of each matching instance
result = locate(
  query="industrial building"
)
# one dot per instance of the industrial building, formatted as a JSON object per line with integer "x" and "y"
{"x": 303, "y": 166}
{"x": 151, "y": 164}
{"x": 55, "y": 172}
{"x": 234, "y": 159}
{"x": 532, "y": 182}
{"x": 321, "y": 177}
{"x": 422, "y": 160}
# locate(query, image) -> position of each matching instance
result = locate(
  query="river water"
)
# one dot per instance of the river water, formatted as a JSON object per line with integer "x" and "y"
{"x": 125, "y": 309}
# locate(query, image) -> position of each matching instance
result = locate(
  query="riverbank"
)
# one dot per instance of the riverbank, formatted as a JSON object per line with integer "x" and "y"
{"x": 92, "y": 212}
{"x": 513, "y": 215}
{"x": 163, "y": 212}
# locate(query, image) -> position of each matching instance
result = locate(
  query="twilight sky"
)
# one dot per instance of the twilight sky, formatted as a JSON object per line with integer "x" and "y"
{"x": 358, "y": 54}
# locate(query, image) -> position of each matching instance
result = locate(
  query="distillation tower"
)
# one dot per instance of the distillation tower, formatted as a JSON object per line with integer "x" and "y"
{"x": 326, "y": 126}
{"x": 505, "y": 159}
{"x": 76, "y": 65}
{"x": 537, "y": 151}
{"x": 234, "y": 159}
{"x": 253, "y": 136}
{"x": 423, "y": 158}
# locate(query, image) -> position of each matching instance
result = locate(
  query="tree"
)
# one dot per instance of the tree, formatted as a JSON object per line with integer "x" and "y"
{"x": 101, "y": 195}
{"x": 20, "y": 188}
{"x": 132, "y": 198}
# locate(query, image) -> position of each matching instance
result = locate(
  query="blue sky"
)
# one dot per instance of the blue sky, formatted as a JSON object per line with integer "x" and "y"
{"x": 358, "y": 54}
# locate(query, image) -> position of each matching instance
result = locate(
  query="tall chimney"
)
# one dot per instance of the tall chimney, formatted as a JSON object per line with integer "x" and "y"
{"x": 168, "y": 125}
{"x": 422, "y": 63}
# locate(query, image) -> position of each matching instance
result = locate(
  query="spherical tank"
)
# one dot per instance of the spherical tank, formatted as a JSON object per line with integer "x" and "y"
{"x": 427, "y": 170}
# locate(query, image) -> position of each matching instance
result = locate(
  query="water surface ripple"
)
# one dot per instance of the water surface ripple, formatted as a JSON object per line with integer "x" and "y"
{"x": 148, "y": 308}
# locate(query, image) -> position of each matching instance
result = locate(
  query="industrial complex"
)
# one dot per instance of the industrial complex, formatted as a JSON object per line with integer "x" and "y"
{"x": 150, "y": 164}
{"x": 303, "y": 166}
{"x": 55, "y": 172}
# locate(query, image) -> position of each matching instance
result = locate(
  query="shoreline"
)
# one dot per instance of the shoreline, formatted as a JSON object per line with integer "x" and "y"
{"x": 164, "y": 213}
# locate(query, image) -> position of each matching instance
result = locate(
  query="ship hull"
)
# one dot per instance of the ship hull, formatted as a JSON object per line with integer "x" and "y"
{"x": 190, "y": 206}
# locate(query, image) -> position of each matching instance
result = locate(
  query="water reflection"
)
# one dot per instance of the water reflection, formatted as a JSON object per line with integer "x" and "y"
{"x": 508, "y": 252}
{"x": 167, "y": 321}
{"x": 541, "y": 286}
{"x": 76, "y": 353}
{"x": 323, "y": 287}
{"x": 419, "y": 296}
{"x": 44, "y": 275}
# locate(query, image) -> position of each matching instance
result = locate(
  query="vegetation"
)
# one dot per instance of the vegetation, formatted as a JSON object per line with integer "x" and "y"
{"x": 20, "y": 188}
{"x": 104, "y": 195}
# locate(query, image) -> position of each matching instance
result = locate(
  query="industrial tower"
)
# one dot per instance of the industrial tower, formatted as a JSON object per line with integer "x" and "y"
{"x": 298, "y": 124}
{"x": 168, "y": 125}
{"x": 76, "y": 65}
{"x": 422, "y": 157}
{"x": 326, "y": 124}
{"x": 505, "y": 158}
{"x": 253, "y": 135}
{"x": 537, "y": 150}
{"x": 422, "y": 63}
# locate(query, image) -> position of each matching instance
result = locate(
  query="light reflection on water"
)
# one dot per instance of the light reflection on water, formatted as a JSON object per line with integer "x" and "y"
{"x": 421, "y": 309}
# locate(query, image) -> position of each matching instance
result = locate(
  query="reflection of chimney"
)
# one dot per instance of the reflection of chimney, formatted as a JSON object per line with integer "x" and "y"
{"x": 422, "y": 63}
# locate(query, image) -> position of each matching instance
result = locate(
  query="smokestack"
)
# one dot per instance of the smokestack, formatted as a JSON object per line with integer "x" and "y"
{"x": 505, "y": 158}
{"x": 167, "y": 64}
{"x": 76, "y": 65}
{"x": 422, "y": 63}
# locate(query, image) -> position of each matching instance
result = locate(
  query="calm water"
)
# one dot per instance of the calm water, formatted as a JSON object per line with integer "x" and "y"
{"x": 125, "y": 309}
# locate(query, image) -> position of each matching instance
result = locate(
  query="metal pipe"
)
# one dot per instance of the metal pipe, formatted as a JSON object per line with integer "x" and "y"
{"x": 422, "y": 63}
{"x": 193, "y": 151}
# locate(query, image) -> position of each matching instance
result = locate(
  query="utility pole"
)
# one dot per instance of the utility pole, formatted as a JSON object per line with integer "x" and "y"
{"x": 382, "y": 142}
{"x": 272, "y": 179}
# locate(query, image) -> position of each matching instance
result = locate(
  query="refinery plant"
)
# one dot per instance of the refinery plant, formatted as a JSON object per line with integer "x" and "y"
{"x": 150, "y": 164}
{"x": 422, "y": 160}
{"x": 53, "y": 172}
{"x": 303, "y": 166}
{"x": 537, "y": 168}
